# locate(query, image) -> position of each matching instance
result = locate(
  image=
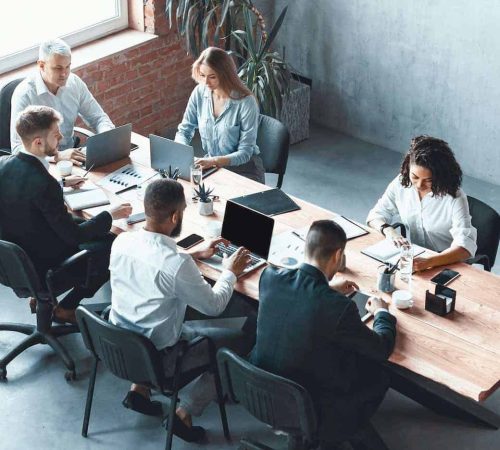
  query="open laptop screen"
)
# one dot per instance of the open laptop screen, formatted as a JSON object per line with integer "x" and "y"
{"x": 248, "y": 228}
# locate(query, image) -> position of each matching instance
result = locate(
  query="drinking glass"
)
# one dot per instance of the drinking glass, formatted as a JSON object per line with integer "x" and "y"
{"x": 406, "y": 264}
{"x": 196, "y": 175}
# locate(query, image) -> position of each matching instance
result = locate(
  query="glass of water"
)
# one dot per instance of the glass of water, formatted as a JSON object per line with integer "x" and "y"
{"x": 196, "y": 175}
{"x": 406, "y": 264}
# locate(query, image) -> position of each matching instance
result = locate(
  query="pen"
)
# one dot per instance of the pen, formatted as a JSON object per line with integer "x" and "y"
{"x": 128, "y": 188}
{"x": 298, "y": 235}
{"x": 87, "y": 172}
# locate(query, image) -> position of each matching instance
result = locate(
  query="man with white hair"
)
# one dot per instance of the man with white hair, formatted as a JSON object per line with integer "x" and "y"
{"x": 54, "y": 85}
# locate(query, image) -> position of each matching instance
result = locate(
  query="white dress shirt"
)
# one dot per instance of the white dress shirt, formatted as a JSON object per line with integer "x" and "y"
{"x": 72, "y": 100}
{"x": 434, "y": 222}
{"x": 151, "y": 285}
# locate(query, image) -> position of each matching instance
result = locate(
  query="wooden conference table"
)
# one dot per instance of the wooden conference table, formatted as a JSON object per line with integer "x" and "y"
{"x": 449, "y": 364}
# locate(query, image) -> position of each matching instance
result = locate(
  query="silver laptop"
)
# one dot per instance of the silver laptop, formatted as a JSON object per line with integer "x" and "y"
{"x": 108, "y": 147}
{"x": 166, "y": 154}
{"x": 244, "y": 227}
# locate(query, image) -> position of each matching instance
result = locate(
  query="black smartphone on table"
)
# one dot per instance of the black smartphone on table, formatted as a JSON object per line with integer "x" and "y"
{"x": 135, "y": 218}
{"x": 445, "y": 277}
{"x": 360, "y": 298}
{"x": 190, "y": 241}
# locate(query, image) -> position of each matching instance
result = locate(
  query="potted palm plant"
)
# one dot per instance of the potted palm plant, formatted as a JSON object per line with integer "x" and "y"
{"x": 205, "y": 198}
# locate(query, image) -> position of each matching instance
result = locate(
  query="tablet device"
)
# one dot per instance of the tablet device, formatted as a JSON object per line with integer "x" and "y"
{"x": 360, "y": 298}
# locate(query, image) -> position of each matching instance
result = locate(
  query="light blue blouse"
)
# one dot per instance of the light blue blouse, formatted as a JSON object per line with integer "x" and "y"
{"x": 232, "y": 134}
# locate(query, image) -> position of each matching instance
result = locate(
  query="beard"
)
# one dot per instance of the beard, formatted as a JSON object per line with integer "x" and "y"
{"x": 50, "y": 151}
{"x": 177, "y": 230}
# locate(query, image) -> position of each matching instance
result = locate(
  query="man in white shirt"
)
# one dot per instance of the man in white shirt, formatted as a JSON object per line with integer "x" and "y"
{"x": 152, "y": 284}
{"x": 54, "y": 85}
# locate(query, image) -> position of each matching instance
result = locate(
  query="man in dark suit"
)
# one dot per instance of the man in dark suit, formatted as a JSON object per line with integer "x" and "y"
{"x": 310, "y": 332}
{"x": 33, "y": 214}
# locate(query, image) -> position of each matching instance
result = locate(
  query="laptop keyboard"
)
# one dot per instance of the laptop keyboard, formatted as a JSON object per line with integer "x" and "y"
{"x": 228, "y": 250}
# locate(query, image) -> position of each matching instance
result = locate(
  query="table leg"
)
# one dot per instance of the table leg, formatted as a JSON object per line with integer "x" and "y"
{"x": 440, "y": 398}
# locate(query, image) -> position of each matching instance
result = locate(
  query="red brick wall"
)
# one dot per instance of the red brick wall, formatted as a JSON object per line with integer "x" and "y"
{"x": 148, "y": 85}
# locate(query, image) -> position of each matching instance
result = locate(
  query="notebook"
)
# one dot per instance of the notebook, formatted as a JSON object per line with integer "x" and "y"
{"x": 270, "y": 202}
{"x": 88, "y": 196}
{"x": 351, "y": 229}
{"x": 385, "y": 251}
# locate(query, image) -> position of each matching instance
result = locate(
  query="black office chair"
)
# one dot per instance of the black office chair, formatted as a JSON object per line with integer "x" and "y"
{"x": 274, "y": 400}
{"x": 273, "y": 140}
{"x": 487, "y": 222}
{"x": 5, "y": 108}
{"x": 133, "y": 357}
{"x": 18, "y": 273}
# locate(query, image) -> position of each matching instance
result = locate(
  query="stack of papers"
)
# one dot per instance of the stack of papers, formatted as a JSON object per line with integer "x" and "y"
{"x": 88, "y": 196}
{"x": 385, "y": 251}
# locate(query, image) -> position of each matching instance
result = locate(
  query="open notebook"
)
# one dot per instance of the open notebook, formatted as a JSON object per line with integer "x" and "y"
{"x": 385, "y": 251}
{"x": 88, "y": 196}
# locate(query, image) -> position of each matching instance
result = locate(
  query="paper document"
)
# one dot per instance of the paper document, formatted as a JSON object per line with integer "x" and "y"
{"x": 287, "y": 250}
{"x": 351, "y": 229}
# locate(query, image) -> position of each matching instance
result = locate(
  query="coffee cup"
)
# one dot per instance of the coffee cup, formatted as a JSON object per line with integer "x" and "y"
{"x": 214, "y": 228}
{"x": 65, "y": 168}
{"x": 402, "y": 299}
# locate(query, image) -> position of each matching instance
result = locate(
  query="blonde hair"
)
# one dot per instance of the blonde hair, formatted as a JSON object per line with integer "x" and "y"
{"x": 223, "y": 65}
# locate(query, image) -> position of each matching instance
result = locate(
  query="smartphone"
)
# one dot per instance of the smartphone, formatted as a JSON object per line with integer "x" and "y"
{"x": 360, "y": 298}
{"x": 134, "y": 218}
{"x": 190, "y": 241}
{"x": 445, "y": 277}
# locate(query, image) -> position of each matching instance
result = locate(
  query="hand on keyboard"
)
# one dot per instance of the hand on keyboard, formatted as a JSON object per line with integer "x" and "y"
{"x": 210, "y": 249}
{"x": 238, "y": 261}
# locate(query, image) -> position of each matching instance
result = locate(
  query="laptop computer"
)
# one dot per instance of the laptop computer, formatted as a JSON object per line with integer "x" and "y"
{"x": 244, "y": 227}
{"x": 108, "y": 147}
{"x": 166, "y": 153}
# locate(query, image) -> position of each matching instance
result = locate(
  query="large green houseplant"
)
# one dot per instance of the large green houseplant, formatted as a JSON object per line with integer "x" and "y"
{"x": 239, "y": 27}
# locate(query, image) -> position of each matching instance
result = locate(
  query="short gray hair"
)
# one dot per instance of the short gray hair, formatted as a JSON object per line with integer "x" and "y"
{"x": 53, "y": 47}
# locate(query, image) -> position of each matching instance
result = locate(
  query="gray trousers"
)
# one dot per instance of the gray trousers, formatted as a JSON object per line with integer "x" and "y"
{"x": 198, "y": 394}
{"x": 253, "y": 169}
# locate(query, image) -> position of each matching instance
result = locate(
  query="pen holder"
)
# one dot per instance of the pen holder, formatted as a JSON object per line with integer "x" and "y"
{"x": 385, "y": 281}
{"x": 442, "y": 302}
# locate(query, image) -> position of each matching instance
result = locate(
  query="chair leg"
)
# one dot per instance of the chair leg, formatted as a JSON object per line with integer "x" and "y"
{"x": 90, "y": 396}
{"x": 218, "y": 388}
{"x": 280, "y": 180}
{"x": 60, "y": 351}
{"x": 18, "y": 328}
{"x": 171, "y": 418}
{"x": 27, "y": 342}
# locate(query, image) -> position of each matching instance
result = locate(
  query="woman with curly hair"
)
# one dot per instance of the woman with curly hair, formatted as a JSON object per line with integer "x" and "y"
{"x": 226, "y": 114}
{"x": 426, "y": 197}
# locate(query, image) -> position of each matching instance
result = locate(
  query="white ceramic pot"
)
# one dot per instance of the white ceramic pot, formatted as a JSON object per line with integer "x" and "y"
{"x": 206, "y": 208}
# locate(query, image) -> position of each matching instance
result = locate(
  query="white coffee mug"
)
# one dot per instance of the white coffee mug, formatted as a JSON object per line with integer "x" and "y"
{"x": 402, "y": 299}
{"x": 65, "y": 168}
{"x": 214, "y": 228}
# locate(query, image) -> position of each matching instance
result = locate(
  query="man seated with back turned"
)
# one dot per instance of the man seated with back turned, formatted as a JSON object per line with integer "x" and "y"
{"x": 53, "y": 84}
{"x": 310, "y": 332}
{"x": 152, "y": 284}
{"x": 33, "y": 214}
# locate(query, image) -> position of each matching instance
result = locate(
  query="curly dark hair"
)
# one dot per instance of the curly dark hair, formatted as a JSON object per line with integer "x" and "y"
{"x": 436, "y": 155}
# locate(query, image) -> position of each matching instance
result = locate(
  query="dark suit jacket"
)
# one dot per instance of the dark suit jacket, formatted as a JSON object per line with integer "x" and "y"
{"x": 33, "y": 214}
{"x": 313, "y": 335}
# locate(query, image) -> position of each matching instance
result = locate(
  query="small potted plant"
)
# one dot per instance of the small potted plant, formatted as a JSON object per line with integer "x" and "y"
{"x": 206, "y": 202}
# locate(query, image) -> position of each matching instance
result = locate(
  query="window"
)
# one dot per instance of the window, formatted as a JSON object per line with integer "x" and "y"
{"x": 30, "y": 22}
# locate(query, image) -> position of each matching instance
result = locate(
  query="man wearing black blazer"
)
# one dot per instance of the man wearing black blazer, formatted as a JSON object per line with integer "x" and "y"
{"x": 310, "y": 332}
{"x": 32, "y": 210}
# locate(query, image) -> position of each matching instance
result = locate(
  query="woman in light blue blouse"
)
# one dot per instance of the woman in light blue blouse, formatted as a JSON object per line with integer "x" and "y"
{"x": 226, "y": 114}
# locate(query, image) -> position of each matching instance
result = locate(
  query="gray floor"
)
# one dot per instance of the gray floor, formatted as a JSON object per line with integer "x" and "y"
{"x": 40, "y": 410}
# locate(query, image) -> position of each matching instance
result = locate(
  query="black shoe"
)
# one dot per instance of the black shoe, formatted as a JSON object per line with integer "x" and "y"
{"x": 141, "y": 404}
{"x": 188, "y": 434}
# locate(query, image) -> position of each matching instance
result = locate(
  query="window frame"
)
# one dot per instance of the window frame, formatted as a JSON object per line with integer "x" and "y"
{"x": 78, "y": 37}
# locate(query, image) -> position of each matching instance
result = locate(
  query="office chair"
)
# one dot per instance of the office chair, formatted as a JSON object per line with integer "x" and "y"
{"x": 5, "y": 108}
{"x": 487, "y": 222}
{"x": 133, "y": 357}
{"x": 18, "y": 273}
{"x": 273, "y": 140}
{"x": 274, "y": 400}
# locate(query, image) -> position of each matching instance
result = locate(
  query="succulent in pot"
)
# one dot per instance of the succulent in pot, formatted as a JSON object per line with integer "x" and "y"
{"x": 206, "y": 203}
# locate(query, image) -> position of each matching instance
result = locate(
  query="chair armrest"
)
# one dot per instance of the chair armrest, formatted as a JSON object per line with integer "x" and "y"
{"x": 5, "y": 152}
{"x": 480, "y": 259}
{"x": 401, "y": 226}
{"x": 61, "y": 269}
{"x": 83, "y": 131}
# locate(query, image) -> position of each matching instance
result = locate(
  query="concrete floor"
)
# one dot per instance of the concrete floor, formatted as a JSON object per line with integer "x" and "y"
{"x": 40, "y": 410}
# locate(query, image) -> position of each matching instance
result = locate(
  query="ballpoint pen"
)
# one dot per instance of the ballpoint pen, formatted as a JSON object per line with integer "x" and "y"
{"x": 298, "y": 235}
{"x": 87, "y": 171}
{"x": 128, "y": 188}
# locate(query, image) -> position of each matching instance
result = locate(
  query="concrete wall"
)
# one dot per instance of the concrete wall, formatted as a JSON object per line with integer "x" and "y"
{"x": 387, "y": 70}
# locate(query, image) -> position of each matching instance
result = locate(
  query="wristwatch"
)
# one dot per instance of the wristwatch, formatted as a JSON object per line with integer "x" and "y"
{"x": 383, "y": 227}
{"x": 63, "y": 181}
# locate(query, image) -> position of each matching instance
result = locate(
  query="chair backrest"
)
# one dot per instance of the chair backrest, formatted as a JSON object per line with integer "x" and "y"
{"x": 273, "y": 140}
{"x": 5, "y": 109}
{"x": 17, "y": 271}
{"x": 126, "y": 354}
{"x": 274, "y": 400}
{"x": 487, "y": 222}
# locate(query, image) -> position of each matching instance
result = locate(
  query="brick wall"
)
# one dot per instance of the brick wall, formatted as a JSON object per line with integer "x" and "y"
{"x": 148, "y": 85}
